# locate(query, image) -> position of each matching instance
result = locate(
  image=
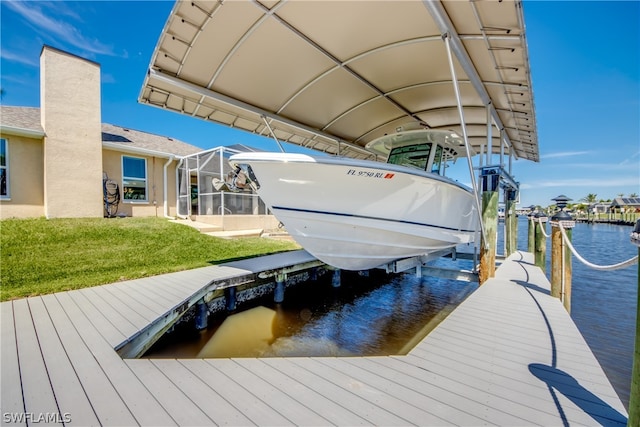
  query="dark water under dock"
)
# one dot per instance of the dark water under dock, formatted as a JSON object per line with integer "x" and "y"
{"x": 376, "y": 315}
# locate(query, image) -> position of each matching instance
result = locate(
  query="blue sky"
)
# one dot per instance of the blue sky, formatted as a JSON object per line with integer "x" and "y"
{"x": 585, "y": 64}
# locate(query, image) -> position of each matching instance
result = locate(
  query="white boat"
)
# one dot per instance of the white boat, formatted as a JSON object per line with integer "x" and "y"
{"x": 360, "y": 214}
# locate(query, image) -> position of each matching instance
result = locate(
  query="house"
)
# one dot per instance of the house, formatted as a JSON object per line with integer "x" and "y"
{"x": 626, "y": 204}
{"x": 55, "y": 160}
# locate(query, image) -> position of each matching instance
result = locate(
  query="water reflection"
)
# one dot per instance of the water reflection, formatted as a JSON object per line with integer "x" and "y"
{"x": 246, "y": 333}
{"x": 376, "y": 315}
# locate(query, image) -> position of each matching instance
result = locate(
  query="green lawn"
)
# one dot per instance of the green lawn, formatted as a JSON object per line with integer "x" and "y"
{"x": 40, "y": 256}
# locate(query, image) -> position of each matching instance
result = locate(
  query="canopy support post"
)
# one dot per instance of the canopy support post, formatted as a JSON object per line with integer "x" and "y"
{"x": 465, "y": 137}
{"x": 273, "y": 135}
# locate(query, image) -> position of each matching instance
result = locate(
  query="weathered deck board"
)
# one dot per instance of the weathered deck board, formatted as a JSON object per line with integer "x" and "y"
{"x": 132, "y": 392}
{"x": 105, "y": 400}
{"x": 508, "y": 355}
{"x": 215, "y": 406}
{"x": 36, "y": 389}
{"x": 10, "y": 386}
{"x": 281, "y": 402}
{"x": 69, "y": 394}
{"x": 333, "y": 412}
{"x": 183, "y": 410}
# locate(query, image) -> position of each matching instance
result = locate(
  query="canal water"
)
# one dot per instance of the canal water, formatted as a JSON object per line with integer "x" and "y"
{"x": 385, "y": 314}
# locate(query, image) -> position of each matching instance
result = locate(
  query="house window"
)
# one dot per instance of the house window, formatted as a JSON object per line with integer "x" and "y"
{"x": 134, "y": 179}
{"x": 4, "y": 169}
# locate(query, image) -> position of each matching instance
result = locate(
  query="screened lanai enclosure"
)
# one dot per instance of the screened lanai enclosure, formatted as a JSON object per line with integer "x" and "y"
{"x": 201, "y": 193}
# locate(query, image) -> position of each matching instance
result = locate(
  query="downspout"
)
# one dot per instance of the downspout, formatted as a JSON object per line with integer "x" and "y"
{"x": 165, "y": 182}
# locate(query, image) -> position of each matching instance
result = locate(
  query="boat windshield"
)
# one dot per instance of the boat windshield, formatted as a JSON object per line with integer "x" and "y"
{"x": 414, "y": 156}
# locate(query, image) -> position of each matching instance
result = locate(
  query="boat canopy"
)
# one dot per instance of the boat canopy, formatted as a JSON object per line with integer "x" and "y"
{"x": 335, "y": 75}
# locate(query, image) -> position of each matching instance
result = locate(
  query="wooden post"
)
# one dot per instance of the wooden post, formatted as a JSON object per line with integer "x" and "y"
{"x": 556, "y": 267}
{"x": 490, "y": 220}
{"x": 531, "y": 242}
{"x": 510, "y": 222}
{"x": 561, "y": 268}
{"x": 540, "y": 252}
{"x": 634, "y": 399}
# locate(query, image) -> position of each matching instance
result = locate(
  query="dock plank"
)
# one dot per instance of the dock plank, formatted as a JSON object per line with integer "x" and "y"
{"x": 125, "y": 314}
{"x": 143, "y": 406}
{"x": 289, "y": 408}
{"x": 109, "y": 407}
{"x": 38, "y": 395}
{"x": 11, "y": 400}
{"x": 181, "y": 408}
{"x": 246, "y": 402}
{"x": 98, "y": 318}
{"x": 415, "y": 407}
{"x": 74, "y": 405}
{"x": 131, "y": 299}
{"x": 304, "y": 393}
{"x": 341, "y": 394}
{"x": 213, "y": 404}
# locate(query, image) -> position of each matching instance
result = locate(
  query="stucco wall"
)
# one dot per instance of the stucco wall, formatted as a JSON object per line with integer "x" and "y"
{"x": 154, "y": 206}
{"x": 26, "y": 181}
{"x": 71, "y": 118}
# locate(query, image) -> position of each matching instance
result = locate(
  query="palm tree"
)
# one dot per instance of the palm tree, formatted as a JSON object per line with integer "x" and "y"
{"x": 590, "y": 199}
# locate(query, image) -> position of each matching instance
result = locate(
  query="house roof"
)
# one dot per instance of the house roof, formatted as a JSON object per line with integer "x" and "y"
{"x": 26, "y": 121}
{"x": 626, "y": 201}
{"x": 332, "y": 76}
{"x": 20, "y": 119}
{"x": 131, "y": 138}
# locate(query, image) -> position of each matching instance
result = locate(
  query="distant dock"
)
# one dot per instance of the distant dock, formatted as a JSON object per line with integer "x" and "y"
{"x": 508, "y": 355}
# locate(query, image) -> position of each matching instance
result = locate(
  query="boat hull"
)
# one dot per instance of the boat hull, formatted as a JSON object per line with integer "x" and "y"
{"x": 357, "y": 215}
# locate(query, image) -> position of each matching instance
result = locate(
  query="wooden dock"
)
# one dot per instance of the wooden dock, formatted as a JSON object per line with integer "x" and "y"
{"x": 508, "y": 355}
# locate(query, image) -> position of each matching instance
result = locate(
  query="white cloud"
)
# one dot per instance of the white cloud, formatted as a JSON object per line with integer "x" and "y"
{"x": 564, "y": 154}
{"x": 51, "y": 28}
{"x": 20, "y": 57}
{"x": 581, "y": 182}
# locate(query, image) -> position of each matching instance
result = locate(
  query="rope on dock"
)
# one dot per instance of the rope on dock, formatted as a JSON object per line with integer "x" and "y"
{"x": 542, "y": 227}
{"x": 618, "y": 266}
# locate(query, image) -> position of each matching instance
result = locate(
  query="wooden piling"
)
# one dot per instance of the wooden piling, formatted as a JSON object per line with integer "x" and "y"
{"x": 561, "y": 269}
{"x": 490, "y": 197}
{"x": 540, "y": 252}
{"x": 531, "y": 242}
{"x": 634, "y": 399}
{"x": 510, "y": 222}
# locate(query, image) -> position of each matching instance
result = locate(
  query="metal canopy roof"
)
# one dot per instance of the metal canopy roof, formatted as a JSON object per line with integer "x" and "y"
{"x": 334, "y": 75}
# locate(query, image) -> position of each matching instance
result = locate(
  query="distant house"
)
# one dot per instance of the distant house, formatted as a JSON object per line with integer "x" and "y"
{"x": 53, "y": 159}
{"x": 599, "y": 208}
{"x": 626, "y": 204}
